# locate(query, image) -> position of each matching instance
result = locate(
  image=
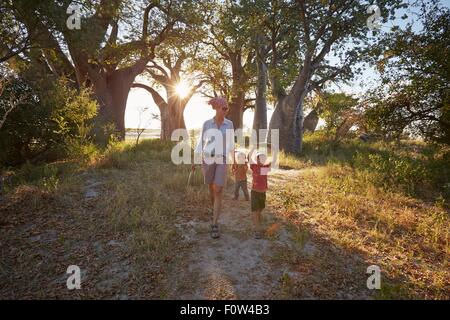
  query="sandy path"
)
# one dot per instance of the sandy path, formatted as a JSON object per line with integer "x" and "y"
{"x": 236, "y": 266}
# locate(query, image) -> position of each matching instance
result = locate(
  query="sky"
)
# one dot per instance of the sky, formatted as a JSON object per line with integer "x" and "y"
{"x": 197, "y": 111}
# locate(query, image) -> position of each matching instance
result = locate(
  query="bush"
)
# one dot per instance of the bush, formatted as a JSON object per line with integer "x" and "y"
{"x": 414, "y": 167}
{"x": 389, "y": 171}
{"x": 122, "y": 154}
{"x": 48, "y": 125}
{"x": 82, "y": 151}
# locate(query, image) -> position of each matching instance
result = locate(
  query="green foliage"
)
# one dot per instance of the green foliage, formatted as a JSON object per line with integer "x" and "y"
{"x": 388, "y": 171}
{"x": 415, "y": 70}
{"x": 335, "y": 108}
{"x": 46, "y": 175}
{"x": 71, "y": 111}
{"x": 415, "y": 168}
{"x": 48, "y": 124}
{"x": 80, "y": 150}
{"x": 27, "y": 127}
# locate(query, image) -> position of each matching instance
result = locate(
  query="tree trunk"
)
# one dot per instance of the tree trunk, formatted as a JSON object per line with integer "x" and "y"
{"x": 311, "y": 121}
{"x": 112, "y": 93}
{"x": 165, "y": 124}
{"x": 260, "y": 118}
{"x": 282, "y": 121}
{"x": 173, "y": 117}
{"x": 288, "y": 114}
{"x": 285, "y": 118}
{"x": 236, "y": 113}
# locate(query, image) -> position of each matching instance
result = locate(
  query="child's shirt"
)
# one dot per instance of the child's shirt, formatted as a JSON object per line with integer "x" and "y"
{"x": 240, "y": 171}
{"x": 260, "y": 176}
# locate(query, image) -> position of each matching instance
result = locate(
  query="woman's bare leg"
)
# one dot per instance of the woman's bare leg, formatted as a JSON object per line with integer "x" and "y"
{"x": 217, "y": 203}
{"x": 211, "y": 194}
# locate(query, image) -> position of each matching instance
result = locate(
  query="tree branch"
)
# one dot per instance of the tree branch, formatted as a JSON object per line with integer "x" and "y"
{"x": 160, "y": 102}
{"x": 158, "y": 67}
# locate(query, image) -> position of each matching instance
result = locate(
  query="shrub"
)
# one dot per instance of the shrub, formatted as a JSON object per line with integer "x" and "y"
{"x": 48, "y": 125}
{"x": 390, "y": 171}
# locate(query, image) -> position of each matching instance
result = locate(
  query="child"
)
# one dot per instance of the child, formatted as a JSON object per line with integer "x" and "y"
{"x": 239, "y": 169}
{"x": 259, "y": 187}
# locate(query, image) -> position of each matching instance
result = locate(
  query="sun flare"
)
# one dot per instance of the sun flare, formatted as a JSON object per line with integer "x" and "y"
{"x": 182, "y": 89}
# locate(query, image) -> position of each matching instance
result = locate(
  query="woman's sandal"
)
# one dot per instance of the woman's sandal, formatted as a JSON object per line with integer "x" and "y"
{"x": 215, "y": 231}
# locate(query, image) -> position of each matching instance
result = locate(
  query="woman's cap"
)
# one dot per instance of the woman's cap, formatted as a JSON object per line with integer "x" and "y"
{"x": 218, "y": 102}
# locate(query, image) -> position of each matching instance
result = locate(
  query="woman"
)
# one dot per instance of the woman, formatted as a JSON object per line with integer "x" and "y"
{"x": 215, "y": 153}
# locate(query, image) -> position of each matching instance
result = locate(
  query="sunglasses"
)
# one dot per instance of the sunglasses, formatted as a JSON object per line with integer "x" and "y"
{"x": 225, "y": 109}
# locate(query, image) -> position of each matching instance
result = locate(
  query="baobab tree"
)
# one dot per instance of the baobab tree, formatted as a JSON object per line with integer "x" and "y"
{"x": 97, "y": 54}
{"x": 228, "y": 38}
{"x": 321, "y": 26}
{"x": 178, "y": 92}
{"x": 269, "y": 27}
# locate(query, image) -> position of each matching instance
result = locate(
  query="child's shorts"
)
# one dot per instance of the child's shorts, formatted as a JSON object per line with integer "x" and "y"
{"x": 258, "y": 200}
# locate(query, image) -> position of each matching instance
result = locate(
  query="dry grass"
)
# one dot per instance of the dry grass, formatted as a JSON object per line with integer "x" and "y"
{"x": 406, "y": 237}
{"x": 124, "y": 239}
{"x": 127, "y": 232}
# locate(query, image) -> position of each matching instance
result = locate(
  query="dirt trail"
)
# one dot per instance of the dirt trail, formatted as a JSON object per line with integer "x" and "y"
{"x": 236, "y": 266}
{"x": 284, "y": 265}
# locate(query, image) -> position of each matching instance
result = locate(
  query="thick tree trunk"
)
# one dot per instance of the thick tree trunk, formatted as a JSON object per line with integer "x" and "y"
{"x": 288, "y": 115}
{"x": 311, "y": 121}
{"x": 171, "y": 122}
{"x": 282, "y": 121}
{"x": 118, "y": 89}
{"x": 236, "y": 113}
{"x": 260, "y": 118}
{"x": 112, "y": 91}
{"x": 173, "y": 118}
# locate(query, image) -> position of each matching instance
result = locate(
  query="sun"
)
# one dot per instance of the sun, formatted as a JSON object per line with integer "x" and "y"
{"x": 182, "y": 89}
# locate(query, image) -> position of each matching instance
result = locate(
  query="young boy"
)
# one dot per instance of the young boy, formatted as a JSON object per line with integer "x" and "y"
{"x": 260, "y": 170}
{"x": 239, "y": 169}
